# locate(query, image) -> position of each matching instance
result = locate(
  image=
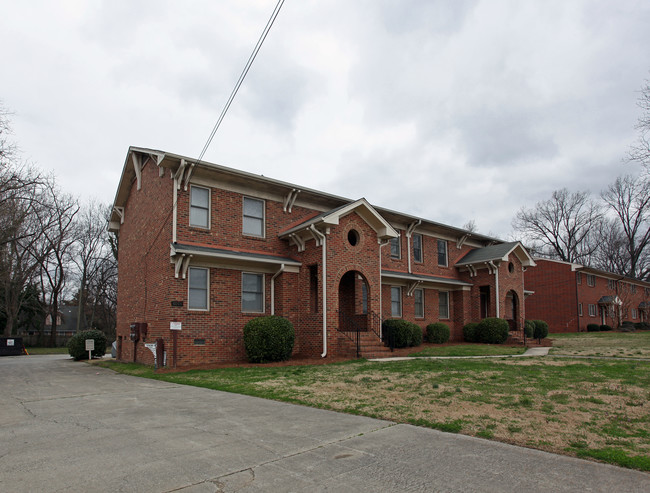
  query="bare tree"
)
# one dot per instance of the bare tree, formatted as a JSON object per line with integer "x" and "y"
{"x": 60, "y": 237}
{"x": 91, "y": 249}
{"x": 611, "y": 253}
{"x": 562, "y": 226}
{"x": 640, "y": 151}
{"x": 629, "y": 198}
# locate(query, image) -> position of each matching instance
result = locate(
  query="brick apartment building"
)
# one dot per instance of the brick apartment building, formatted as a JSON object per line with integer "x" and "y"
{"x": 204, "y": 248}
{"x": 570, "y": 296}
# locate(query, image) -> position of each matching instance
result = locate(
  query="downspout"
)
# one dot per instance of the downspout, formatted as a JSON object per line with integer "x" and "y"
{"x": 381, "y": 244}
{"x": 409, "y": 233}
{"x": 496, "y": 284}
{"x": 323, "y": 240}
{"x": 175, "y": 209}
{"x": 273, "y": 288}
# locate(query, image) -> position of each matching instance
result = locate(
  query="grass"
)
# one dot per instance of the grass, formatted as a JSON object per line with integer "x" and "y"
{"x": 594, "y": 409}
{"x": 609, "y": 344}
{"x": 47, "y": 350}
{"x": 469, "y": 350}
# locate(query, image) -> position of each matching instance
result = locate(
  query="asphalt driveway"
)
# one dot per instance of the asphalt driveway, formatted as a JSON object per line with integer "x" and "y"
{"x": 68, "y": 426}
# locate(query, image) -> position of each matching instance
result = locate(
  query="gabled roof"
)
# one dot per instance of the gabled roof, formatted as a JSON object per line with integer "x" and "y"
{"x": 331, "y": 218}
{"x": 610, "y": 300}
{"x": 495, "y": 253}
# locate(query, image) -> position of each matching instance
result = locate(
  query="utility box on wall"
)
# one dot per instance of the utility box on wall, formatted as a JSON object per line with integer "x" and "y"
{"x": 138, "y": 331}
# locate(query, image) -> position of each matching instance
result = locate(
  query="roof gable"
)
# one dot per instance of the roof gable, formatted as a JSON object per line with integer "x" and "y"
{"x": 494, "y": 253}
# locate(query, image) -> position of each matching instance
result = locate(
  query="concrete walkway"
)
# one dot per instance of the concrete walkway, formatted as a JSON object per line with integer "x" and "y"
{"x": 69, "y": 426}
{"x": 533, "y": 351}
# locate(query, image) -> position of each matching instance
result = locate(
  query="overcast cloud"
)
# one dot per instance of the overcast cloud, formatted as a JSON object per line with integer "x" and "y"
{"x": 450, "y": 110}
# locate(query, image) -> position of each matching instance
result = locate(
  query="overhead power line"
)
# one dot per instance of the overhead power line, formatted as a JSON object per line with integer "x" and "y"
{"x": 250, "y": 61}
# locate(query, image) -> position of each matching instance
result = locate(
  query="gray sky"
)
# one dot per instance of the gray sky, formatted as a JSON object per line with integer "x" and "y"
{"x": 451, "y": 110}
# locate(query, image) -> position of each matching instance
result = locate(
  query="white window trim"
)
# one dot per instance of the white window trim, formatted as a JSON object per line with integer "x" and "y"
{"x": 399, "y": 248}
{"x": 591, "y": 280}
{"x": 263, "y": 292}
{"x": 580, "y": 309}
{"x": 263, "y": 235}
{"x": 207, "y": 290}
{"x": 446, "y": 264}
{"x": 189, "y": 219}
{"x": 421, "y": 248}
{"x": 400, "y": 302}
{"x": 448, "y": 314}
{"x": 634, "y": 314}
{"x": 592, "y": 310}
{"x": 414, "y": 305}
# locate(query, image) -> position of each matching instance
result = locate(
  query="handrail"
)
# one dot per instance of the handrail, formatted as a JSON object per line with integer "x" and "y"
{"x": 355, "y": 328}
{"x": 388, "y": 339}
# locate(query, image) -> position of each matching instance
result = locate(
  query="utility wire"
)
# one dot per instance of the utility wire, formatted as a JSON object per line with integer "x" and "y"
{"x": 250, "y": 61}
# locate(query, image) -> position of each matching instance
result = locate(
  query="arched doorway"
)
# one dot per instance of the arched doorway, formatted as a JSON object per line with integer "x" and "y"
{"x": 512, "y": 310}
{"x": 354, "y": 293}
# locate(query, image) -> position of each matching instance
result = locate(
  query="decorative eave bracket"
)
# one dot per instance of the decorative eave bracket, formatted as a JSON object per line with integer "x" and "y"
{"x": 460, "y": 241}
{"x": 181, "y": 264}
{"x": 290, "y": 199}
{"x": 120, "y": 212}
{"x": 411, "y": 287}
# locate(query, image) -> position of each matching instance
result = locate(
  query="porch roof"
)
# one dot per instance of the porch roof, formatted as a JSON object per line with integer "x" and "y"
{"x": 495, "y": 253}
{"x": 390, "y": 274}
{"x": 182, "y": 254}
{"x": 609, "y": 300}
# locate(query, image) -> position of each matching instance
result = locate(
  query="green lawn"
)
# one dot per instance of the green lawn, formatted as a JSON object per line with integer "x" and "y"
{"x": 469, "y": 350}
{"x": 586, "y": 408}
{"x": 610, "y": 344}
{"x": 47, "y": 350}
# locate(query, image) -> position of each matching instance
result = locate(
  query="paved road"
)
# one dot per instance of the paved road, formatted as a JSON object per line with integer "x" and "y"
{"x": 67, "y": 426}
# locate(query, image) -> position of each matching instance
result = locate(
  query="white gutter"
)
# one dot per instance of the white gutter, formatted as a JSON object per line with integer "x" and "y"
{"x": 175, "y": 207}
{"x": 496, "y": 283}
{"x": 381, "y": 244}
{"x": 273, "y": 288}
{"x": 409, "y": 233}
{"x": 323, "y": 240}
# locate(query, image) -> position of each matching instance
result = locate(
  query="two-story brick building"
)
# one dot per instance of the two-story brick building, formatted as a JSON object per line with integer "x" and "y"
{"x": 570, "y": 296}
{"x": 204, "y": 248}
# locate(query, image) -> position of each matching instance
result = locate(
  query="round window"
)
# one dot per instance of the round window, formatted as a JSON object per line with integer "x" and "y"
{"x": 353, "y": 237}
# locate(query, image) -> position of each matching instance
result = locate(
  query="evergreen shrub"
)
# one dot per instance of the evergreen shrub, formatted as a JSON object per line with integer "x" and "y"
{"x": 77, "y": 344}
{"x": 268, "y": 339}
{"x": 438, "y": 333}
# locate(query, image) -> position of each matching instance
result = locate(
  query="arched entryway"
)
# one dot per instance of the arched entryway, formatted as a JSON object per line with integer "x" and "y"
{"x": 354, "y": 293}
{"x": 512, "y": 310}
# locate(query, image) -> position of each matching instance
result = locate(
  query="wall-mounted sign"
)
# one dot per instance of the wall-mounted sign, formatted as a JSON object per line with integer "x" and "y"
{"x": 177, "y": 303}
{"x": 10, "y": 342}
{"x": 175, "y": 325}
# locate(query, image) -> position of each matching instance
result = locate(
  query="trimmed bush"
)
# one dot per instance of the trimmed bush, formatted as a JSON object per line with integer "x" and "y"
{"x": 593, "y": 328}
{"x": 77, "y": 344}
{"x": 492, "y": 330}
{"x": 438, "y": 333}
{"x": 541, "y": 329}
{"x": 469, "y": 332}
{"x": 403, "y": 333}
{"x": 529, "y": 328}
{"x": 416, "y": 334}
{"x": 605, "y": 328}
{"x": 268, "y": 339}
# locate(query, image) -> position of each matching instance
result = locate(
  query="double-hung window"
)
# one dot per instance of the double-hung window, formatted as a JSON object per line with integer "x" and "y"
{"x": 395, "y": 248}
{"x": 198, "y": 288}
{"x": 580, "y": 309}
{"x": 442, "y": 253}
{"x": 418, "y": 299}
{"x": 199, "y": 207}
{"x": 592, "y": 310}
{"x": 396, "y": 301}
{"x": 252, "y": 292}
{"x": 417, "y": 247}
{"x": 591, "y": 280}
{"x": 253, "y": 217}
{"x": 443, "y": 304}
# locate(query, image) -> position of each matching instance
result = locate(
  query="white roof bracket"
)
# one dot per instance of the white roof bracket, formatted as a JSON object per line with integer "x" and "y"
{"x": 137, "y": 167}
{"x": 290, "y": 199}
{"x": 120, "y": 212}
{"x": 411, "y": 287}
{"x": 299, "y": 242}
{"x": 187, "y": 175}
{"x": 460, "y": 241}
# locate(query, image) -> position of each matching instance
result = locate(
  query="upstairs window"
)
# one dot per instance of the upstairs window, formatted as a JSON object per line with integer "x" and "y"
{"x": 253, "y": 221}
{"x": 199, "y": 207}
{"x": 395, "y": 248}
{"x": 591, "y": 280}
{"x": 610, "y": 284}
{"x": 442, "y": 253}
{"x": 579, "y": 277}
{"x": 417, "y": 247}
{"x": 633, "y": 288}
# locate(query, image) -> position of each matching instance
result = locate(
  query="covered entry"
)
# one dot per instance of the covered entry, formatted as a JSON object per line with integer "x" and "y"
{"x": 512, "y": 310}
{"x": 353, "y": 302}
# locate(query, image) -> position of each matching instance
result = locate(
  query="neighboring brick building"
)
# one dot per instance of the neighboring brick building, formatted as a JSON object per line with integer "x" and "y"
{"x": 211, "y": 247}
{"x": 570, "y": 296}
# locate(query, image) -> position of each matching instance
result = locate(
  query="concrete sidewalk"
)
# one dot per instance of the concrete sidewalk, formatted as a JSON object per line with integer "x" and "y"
{"x": 69, "y": 426}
